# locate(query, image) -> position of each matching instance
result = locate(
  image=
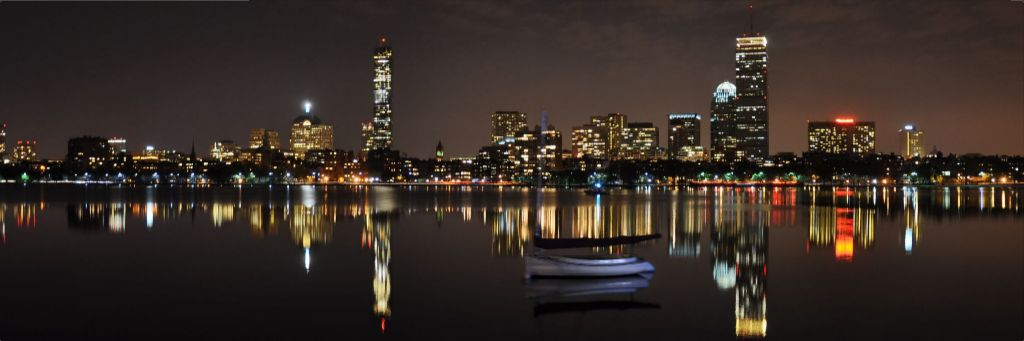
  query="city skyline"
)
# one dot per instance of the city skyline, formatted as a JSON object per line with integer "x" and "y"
{"x": 423, "y": 113}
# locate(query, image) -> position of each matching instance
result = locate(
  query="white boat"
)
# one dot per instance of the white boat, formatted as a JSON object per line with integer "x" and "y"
{"x": 585, "y": 266}
{"x": 577, "y": 287}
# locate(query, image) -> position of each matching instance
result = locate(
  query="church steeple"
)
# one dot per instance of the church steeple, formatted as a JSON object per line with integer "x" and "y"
{"x": 439, "y": 152}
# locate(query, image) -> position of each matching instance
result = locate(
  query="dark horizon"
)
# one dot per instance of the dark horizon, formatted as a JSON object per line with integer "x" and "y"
{"x": 166, "y": 74}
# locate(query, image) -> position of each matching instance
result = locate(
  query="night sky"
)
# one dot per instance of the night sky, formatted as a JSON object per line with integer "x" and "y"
{"x": 167, "y": 73}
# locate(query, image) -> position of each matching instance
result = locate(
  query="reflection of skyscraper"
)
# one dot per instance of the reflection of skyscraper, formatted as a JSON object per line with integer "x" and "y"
{"x": 913, "y": 219}
{"x": 751, "y": 277}
{"x": 684, "y": 237}
{"x": 98, "y": 216}
{"x": 377, "y": 237}
{"x": 510, "y": 230}
{"x": 845, "y": 228}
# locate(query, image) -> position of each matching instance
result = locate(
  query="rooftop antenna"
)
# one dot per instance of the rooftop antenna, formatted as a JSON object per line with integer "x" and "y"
{"x": 750, "y": 10}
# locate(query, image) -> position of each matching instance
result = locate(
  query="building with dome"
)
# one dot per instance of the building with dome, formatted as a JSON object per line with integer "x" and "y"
{"x": 310, "y": 133}
{"x": 723, "y": 124}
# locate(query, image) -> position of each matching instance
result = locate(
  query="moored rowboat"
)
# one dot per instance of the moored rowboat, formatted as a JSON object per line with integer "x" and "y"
{"x": 585, "y": 266}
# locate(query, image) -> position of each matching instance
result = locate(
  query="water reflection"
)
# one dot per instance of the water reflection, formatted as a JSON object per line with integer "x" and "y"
{"x": 733, "y": 224}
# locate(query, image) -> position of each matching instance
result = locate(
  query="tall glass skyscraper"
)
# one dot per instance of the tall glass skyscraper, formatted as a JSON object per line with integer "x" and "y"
{"x": 378, "y": 131}
{"x": 911, "y": 142}
{"x": 723, "y": 123}
{"x": 752, "y": 96}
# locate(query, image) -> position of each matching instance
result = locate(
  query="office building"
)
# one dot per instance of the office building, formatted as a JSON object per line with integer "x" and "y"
{"x": 377, "y": 132}
{"x": 723, "y": 124}
{"x": 684, "y": 137}
{"x": 259, "y": 138}
{"x": 505, "y": 125}
{"x": 911, "y": 142}
{"x": 310, "y": 133}
{"x": 752, "y": 96}
{"x": 841, "y": 136}
{"x": 25, "y": 151}
{"x": 87, "y": 153}
{"x": 639, "y": 141}
{"x": 589, "y": 141}
{"x": 612, "y": 126}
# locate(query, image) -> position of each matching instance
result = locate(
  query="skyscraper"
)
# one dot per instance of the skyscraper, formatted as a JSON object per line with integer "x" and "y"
{"x": 310, "y": 133}
{"x": 25, "y": 151}
{"x": 259, "y": 137}
{"x": 588, "y": 141}
{"x": 752, "y": 95}
{"x": 378, "y": 131}
{"x": 842, "y": 136}
{"x": 684, "y": 137}
{"x": 505, "y": 125}
{"x": 911, "y": 142}
{"x": 612, "y": 125}
{"x": 723, "y": 124}
{"x": 639, "y": 141}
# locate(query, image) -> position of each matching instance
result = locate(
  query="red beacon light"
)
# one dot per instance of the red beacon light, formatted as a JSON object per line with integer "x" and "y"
{"x": 844, "y": 120}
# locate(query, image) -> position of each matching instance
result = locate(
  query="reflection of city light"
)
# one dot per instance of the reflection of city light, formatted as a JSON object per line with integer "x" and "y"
{"x": 150, "y": 207}
{"x": 307, "y": 259}
{"x": 908, "y": 240}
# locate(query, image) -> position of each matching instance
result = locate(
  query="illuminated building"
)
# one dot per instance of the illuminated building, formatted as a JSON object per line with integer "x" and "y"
{"x": 532, "y": 146}
{"x": 841, "y": 136}
{"x": 224, "y": 151}
{"x": 612, "y": 126}
{"x": 118, "y": 145}
{"x": 723, "y": 124}
{"x": 25, "y": 151}
{"x": 87, "y": 153}
{"x": 589, "y": 141}
{"x": 3, "y": 140}
{"x": 260, "y": 137}
{"x": 911, "y": 142}
{"x": 752, "y": 95}
{"x": 310, "y": 133}
{"x": 378, "y": 131}
{"x": 639, "y": 141}
{"x": 439, "y": 152}
{"x": 505, "y": 125}
{"x": 684, "y": 137}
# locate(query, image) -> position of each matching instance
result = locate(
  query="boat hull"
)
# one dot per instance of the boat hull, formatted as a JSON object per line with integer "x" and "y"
{"x": 560, "y": 266}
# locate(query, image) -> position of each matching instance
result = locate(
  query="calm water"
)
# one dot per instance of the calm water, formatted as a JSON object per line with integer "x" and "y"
{"x": 410, "y": 263}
